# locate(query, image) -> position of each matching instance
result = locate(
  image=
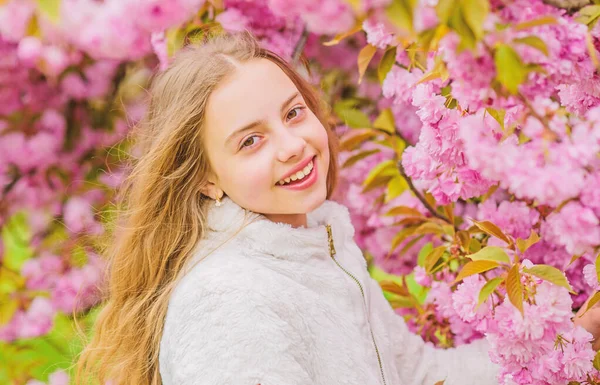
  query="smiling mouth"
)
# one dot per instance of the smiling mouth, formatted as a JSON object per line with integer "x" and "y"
{"x": 298, "y": 176}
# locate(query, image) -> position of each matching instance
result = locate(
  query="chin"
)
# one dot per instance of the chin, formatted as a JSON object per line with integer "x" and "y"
{"x": 316, "y": 199}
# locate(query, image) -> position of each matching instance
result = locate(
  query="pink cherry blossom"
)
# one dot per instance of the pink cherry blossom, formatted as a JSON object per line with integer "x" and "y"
{"x": 377, "y": 34}
{"x": 574, "y": 226}
{"x": 591, "y": 276}
{"x": 38, "y": 319}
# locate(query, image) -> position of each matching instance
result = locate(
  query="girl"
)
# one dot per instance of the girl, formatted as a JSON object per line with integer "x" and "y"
{"x": 234, "y": 268}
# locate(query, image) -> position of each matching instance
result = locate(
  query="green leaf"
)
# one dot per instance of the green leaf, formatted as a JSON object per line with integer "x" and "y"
{"x": 400, "y": 237}
{"x": 596, "y": 361}
{"x": 10, "y": 281}
{"x": 400, "y": 13}
{"x": 352, "y": 142}
{"x": 474, "y": 245}
{"x": 398, "y": 145}
{"x": 490, "y": 253}
{"x": 341, "y": 36}
{"x": 444, "y": 9}
{"x": 385, "y": 121}
{"x": 535, "y": 42}
{"x": 79, "y": 257}
{"x": 387, "y": 168}
{"x": 550, "y": 274}
{"x": 387, "y": 62}
{"x": 475, "y": 13}
{"x": 544, "y": 20}
{"x": 395, "y": 188}
{"x": 426, "y": 38}
{"x": 523, "y": 245}
{"x": 589, "y": 15}
{"x": 459, "y": 24}
{"x": 433, "y": 257}
{"x": 7, "y": 310}
{"x": 50, "y": 9}
{"x": 354, "y": 118}
{"x": 16, "y": 236}
{"x": 356, "y": 157}
{"x": 510, "y": 71}
{"x": 410, "y": 244}
{"x": 346, "y": 104}
{"x": 429, "y": 228}
{"x": 400, "y": 302}
{"x": 379, "y": 181}
{"x": 380, "y": 275}
{"x": 475, "y": 267}
{"x": 514, "y": 288}
{"x": 488, "y": 289}
{"x": 403, "y": 210}
{"x": 448, "y": 229}
{"x": 425, "y": 250}
{"x": 574, "y": 258}
{"x": 536, "y": 68}
{"x": 598, "y": 266}
{"x": 364, "y": 58}
{"x": 498, "y": 115}
{"x": 439, "y": 70}
{"x": 594, "y": 300}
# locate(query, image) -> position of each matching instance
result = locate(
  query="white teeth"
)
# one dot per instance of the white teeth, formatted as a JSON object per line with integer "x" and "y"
{"x": 299, "y": 175}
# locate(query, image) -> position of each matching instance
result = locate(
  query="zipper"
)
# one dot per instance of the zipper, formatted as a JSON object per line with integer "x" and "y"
{"x": 362, "y": 292}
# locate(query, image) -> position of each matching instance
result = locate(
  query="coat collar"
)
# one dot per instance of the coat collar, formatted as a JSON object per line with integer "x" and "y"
{"x": 257, "y": 233}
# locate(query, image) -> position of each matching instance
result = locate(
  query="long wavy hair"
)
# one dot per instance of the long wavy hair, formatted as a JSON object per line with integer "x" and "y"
{"x": 161, "y": 210}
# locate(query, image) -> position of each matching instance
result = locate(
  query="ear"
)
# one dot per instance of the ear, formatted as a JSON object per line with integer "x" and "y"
{"x": 211, "y": 190}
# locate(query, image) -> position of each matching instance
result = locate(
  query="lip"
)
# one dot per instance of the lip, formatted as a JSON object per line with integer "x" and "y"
{"x": 306, "y": 182}
{"x": 299, "y": 167}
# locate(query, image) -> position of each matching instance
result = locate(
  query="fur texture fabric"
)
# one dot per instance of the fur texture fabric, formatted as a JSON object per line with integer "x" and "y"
{"x": 264, "y": 303}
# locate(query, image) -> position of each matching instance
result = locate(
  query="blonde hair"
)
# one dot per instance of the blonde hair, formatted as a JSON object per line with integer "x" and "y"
{"x": 162, "y": 211}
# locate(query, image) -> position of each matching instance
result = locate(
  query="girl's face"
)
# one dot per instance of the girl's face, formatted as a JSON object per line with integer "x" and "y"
{"x": 268, "y": 151}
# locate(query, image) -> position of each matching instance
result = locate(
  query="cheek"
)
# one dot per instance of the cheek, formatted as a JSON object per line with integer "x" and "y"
{"x": 322, "y": 143}
{"x": 248, "y": 179}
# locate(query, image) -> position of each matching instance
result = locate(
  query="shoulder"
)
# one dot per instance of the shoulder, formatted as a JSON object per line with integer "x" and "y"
{"x": 219, "y": 298}
{"x": 224, "y": 324}
{"x": 226, "y": 274}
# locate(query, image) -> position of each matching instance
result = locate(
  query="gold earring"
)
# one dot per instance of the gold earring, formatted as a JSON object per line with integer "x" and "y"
{"x": 218, "y": 199}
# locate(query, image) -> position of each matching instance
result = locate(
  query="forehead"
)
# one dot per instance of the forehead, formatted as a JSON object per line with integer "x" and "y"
{"x": 254, "y": 89}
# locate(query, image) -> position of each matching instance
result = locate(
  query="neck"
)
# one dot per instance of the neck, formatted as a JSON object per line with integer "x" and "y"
{"x": 295, "y": 220}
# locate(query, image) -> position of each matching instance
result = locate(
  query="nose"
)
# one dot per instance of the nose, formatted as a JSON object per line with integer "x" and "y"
{"x": 289, "y": 145}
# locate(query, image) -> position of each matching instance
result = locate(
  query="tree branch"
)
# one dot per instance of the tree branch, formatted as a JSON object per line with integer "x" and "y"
{"x": 420, "y": 196}
{"x": 300, "y": 45}
{"x": 569, "y": 5}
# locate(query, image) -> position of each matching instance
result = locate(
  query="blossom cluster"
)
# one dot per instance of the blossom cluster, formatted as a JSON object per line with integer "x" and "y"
{"x": 523, "y": 157}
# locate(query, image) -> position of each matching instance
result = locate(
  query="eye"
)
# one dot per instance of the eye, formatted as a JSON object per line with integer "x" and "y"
{"x": 249, "y": 141}
{"x": 294, "y": 112}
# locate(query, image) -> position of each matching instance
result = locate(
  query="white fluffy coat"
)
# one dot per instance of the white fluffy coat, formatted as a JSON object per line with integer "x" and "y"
{"x": 264, "y": 303}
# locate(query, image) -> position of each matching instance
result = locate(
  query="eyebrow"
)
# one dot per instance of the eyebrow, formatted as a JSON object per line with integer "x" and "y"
{"x": 259, "y": 122}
